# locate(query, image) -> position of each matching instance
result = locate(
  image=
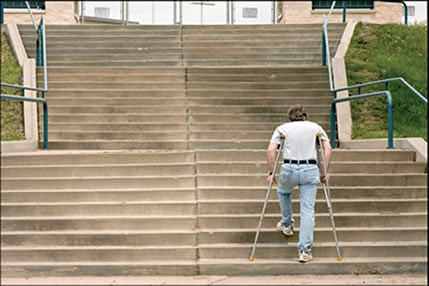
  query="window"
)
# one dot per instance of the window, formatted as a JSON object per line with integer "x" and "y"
{"x": 21, "y": 4}
{"x": 102, "y": 12}
{"x": 350, "y": 4}
{"x": 411, "y": 11}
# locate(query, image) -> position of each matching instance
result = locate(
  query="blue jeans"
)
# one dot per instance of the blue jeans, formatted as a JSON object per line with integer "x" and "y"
{"x": 307, "y": 177}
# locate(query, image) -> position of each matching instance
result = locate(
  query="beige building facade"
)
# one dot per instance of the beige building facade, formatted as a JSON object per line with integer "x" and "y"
{"x": 298, "y": 12}
{"x": 286, "y": 12}
{"x": 56, "y": 12}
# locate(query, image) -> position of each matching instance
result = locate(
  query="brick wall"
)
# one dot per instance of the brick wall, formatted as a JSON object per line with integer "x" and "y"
{"x": 295, "y": 12}
{"x": 57, "y": 12}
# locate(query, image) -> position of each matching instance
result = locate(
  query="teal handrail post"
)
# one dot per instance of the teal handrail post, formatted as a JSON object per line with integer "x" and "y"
{"x": 45, "y": 112}
{"x": 40, "y": 44}
{"x": 405, "y": 12}
{"x": 344, "y": 11}
{"x": 1, "y": 13}
{"x": 333, "y": 115}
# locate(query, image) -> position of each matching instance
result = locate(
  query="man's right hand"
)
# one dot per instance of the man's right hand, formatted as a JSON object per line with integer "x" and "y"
{"x": 324, "y": 179}
{"x": 271, "y": 177}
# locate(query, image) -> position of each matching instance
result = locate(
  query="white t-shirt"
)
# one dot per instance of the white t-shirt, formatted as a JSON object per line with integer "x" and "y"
{"x": 300, "y": 142}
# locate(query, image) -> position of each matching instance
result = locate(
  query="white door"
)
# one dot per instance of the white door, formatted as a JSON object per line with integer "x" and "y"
{"x": 253, "y": 12}
{"x": 151, "y": 12}
{"x": 204, "y": 12}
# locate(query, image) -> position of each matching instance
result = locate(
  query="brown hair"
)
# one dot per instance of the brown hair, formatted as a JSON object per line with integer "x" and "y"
{"x": 297, "y": 113}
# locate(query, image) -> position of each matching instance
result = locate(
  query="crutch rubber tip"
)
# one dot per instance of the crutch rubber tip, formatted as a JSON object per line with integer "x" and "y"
{"x": 339, "y": 258}
{"x": 252, "y": 258}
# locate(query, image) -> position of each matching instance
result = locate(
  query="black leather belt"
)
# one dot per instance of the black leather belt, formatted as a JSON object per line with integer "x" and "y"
{"x": 311, "y": 161}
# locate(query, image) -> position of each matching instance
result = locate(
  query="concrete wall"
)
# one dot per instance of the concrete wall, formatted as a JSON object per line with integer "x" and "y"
{"x": 57, "y": 12}
{"x": 295, "y": 12}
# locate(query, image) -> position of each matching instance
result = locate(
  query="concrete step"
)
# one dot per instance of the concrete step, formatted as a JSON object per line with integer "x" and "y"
{"x": 321, "y": 250}
{"x": 353, "y": 192}
{"x": 77, "y": 93}
{"x": 97, "y": 182}
{"x": 111, "y": 78}
{"x": 225, "y": 222}
{"x": 368, "y": 167}
{"x": 53, "y": 158}
{"x": 257, "y": 85}
{"x": 253, "y": 77}
{"x": 169, "y": 50}
{"x": 84, "y": 170}
{"x": 206, "y": 144}
{"x": 98, "y": 254}
{"x": 339, "y": 206}
{"x": 338, "y": 155}
{"x": 64, "y": 37}
{"x": 116, "y": 117}
{"x": 264, "y": 101}
{"x": 43, "y": 226}
{"x": 244, "y": 62}
{"x": 245, "y": 35}
{"x": 277, "y": 280}
{"x": 267, "y": 54}
{"x": 118, "y": 101}
{"x": 148, "y": 208}
{"x": 115, "y": 56}
{"x": 174, "y": 252}
{"x": 118, "y": 71}
{"x": 94, "y": 195}
{"x": 256, "y": 41}
{"x": 117, "y": 126}
{"x": 347, "y": 235}
{"x": 279, "y": 93}
{"x": 224, "y": 226}
{"x": 99, "y": 238}
{"x": 125, "y": 84}
{"x": 219, "y": 267}
{"x": 61, "y": 269}
{"x": 94, "y": 109}
{"x": 119, "y": 63}
{"x": 117, "y": 145}
{"x": 237, "y": 114}
{"x": 336, "y": 179}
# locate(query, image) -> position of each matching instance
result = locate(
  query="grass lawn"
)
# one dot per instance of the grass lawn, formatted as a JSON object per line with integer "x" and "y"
{"x": 12, "y": 121}
{"x": 384, "y": 51}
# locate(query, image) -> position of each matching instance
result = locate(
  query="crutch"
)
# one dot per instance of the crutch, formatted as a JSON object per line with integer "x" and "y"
{"x": 327, "y": 192}
{"x": 267, "y": 195}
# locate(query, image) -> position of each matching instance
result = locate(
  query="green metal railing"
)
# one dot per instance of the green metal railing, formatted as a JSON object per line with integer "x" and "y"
{"x": 386, "y": 85}
{"x": 36, "y": 99}
{"x": 333, "y": 114}
{"x": 326, "y": 60}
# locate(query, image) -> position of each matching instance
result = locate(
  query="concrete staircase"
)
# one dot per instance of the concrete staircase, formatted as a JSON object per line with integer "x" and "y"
{"x": 200, "y": 104}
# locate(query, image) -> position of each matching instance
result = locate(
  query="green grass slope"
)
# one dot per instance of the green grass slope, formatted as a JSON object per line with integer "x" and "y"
{"x": 12, "y": 122}
{"x": 385, "y": 51}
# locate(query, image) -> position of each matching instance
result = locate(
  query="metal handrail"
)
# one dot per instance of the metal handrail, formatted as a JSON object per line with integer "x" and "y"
{"x": 31, "y": 14}
{"x": 386, "y": 82}
{"x": 333, "y": 115}
{"x": 326, "y": 53}
{"x": 42, "y": 34}
{"x": 22, "y": 87}
{"x": 42, "y": 100}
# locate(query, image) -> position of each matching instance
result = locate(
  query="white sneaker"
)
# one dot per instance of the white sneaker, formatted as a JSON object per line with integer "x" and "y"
{"x": 286, "y": 230}
{"x": 305, "y": 256}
